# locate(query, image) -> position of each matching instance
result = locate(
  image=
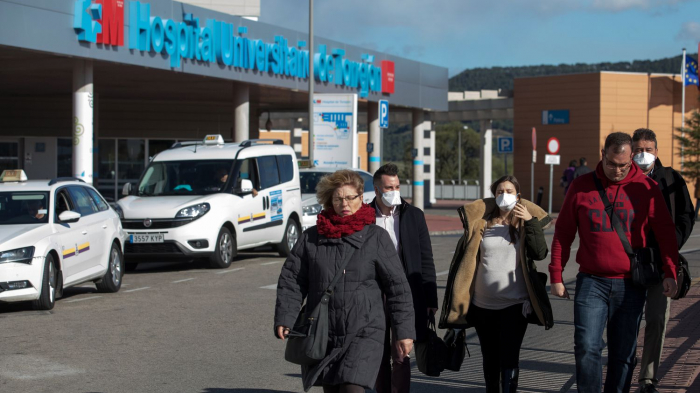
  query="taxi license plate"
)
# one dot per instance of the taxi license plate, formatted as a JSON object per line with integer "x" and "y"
{"x": 148, "y": 238}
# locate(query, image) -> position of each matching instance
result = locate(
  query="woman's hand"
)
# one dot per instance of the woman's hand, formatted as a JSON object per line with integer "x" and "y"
{"x": 521, "y": 212}
{"x": 404, "y": 348}
{"x": 282, "y": 331}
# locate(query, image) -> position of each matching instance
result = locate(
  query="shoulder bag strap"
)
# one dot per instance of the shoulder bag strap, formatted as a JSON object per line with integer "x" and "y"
{"x": 340, "y": 271}
{"x": 614, "y": 220}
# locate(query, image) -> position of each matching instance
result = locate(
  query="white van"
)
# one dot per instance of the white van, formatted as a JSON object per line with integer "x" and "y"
{"x": 210, "y": 199}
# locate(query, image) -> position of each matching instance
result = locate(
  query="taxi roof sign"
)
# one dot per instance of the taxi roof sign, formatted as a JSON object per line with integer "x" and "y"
{"x": 214, "y": 139}
{"x": 9, "y": 175}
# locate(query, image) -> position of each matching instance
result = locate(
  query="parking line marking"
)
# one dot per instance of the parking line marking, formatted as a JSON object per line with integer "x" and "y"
{"x": 273, "y": 286}
{"x": 442, "y": 273}
{"x": 187, "y": 279}
{"x": 271, "y": 263}
{"x": 137, "y": 289}
{"x": 231, "y": 270}
{"x": 85, "y": 298}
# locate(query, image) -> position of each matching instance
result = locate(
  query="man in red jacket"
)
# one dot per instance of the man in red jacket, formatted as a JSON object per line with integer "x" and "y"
{"x": 604, "y": 289}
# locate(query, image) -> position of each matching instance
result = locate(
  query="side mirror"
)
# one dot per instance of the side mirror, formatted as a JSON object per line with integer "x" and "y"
{"x": 69, "y": 216}
{"x": 246, "y": 187}
{"x": 126, "y": 190}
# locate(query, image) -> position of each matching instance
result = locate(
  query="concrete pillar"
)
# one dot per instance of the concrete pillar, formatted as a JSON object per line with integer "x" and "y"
{"x": 254, "y": 122}
{"x": 485, "y": 158}
{"x": 241, "y": 113}
{"x": 374, "y": 137}
{"x": 83, "y": 101}
{"x": 418, "y": 127}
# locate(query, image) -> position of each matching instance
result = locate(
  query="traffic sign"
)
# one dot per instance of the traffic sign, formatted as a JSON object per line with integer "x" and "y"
{"x": 383, "y": 114}
{"x": 552, "y": 159}
{"x": 553, "y": 146}
{"x": 505, "y": 144}
{"x": 534, "y": 139}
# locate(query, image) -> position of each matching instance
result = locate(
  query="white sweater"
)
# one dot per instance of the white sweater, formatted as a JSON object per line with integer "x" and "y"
{"x": 499, "y": 276}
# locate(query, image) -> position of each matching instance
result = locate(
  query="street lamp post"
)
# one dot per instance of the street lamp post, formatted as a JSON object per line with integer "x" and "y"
{"x": 311, "y": 82}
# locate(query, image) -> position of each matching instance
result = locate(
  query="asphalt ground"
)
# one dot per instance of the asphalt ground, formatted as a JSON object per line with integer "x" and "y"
{"x": 177, "y": 327}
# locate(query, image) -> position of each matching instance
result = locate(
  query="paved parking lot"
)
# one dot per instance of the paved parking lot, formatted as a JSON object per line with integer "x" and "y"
{"x": 186, "y": 328}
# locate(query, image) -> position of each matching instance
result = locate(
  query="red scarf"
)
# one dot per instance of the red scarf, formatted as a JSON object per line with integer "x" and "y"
{"x": 333, "y": 226}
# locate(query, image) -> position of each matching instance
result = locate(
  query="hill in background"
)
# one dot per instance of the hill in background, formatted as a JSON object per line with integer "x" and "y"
{"x": 495, "y": 78}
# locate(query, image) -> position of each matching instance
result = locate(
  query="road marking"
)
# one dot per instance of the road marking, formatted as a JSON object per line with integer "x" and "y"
{"x": 271, "y": 263}
{"x": 442, "y": 273}
{"x": 273, "y": 286}
{"x": 694, "y": 236}
{"x": 137, "y": 289}
{"x": 689, "y": 251}
{"x": 231, "y": 270}
{"x": 187, "y": 279}
{"x": 85, "y": 298}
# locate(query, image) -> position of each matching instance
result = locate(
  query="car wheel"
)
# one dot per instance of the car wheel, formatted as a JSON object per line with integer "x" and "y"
{"x": 291, "y": 235}
{"x": 112, "y": 280}
{"x": 47, "y": 297}
{"x": 226, "y": 249}
{"x": 130, "y": 266}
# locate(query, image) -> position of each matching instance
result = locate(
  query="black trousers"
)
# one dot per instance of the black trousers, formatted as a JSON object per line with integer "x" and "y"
{"x": 500, "y": 334}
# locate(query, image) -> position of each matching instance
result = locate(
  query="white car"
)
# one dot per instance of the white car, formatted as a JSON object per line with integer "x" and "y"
{"x": 210, "y": 199}
{"x": 309, "y": 178}
{"x": 53, "y": 235}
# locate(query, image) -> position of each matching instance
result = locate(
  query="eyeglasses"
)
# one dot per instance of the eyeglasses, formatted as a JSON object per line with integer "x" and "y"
{"x": 349, "y": 199}
{"x": 617, "y": 167}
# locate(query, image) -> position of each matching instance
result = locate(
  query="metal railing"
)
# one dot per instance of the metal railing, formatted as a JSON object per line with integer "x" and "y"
{"x": 449, "y": 189}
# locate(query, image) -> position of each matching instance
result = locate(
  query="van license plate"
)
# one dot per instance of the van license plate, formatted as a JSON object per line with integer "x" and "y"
{"x": 149, "y": 238}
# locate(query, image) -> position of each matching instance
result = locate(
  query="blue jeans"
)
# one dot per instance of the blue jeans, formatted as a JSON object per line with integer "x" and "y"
{"x": 618, "y": 303}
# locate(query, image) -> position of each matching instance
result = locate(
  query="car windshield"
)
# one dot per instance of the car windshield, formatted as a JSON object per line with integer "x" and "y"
{"x": 309, "y": 180}
{"x": 191, "y": 177}
{"x": 24, "y": 208}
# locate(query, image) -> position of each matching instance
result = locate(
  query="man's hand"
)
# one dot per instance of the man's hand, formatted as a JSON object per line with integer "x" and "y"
{"x": 404, "y": 348}
{"x": 282, "y": 331}
{"x": 558, "y": 289}
{"x": 670, "y": 287}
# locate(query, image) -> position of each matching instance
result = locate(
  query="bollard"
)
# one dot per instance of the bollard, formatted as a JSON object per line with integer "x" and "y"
{"x": 540, "y": 192}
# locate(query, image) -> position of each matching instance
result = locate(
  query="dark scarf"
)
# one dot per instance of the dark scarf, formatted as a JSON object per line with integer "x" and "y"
{"x": 333, "y": 226}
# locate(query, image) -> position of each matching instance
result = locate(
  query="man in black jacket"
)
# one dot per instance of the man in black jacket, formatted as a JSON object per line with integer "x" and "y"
{"x": 408, "y": 230}
{"x": 677, "y": 198}
{"x": 583, "y": 168}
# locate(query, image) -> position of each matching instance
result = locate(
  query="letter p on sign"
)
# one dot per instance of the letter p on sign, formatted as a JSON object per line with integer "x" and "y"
{"x": 383, "y": 114}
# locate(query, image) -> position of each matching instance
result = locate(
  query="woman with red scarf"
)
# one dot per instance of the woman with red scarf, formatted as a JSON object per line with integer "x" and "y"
{"x": 345, "y": 229}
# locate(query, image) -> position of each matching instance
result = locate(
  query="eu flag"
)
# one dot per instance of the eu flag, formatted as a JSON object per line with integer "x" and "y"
{"x": 691, "y": 72}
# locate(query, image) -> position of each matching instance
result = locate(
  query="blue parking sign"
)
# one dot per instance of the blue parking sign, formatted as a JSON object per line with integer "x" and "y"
{"x": 383, "y": 114}
{"x": 505, "y": 144}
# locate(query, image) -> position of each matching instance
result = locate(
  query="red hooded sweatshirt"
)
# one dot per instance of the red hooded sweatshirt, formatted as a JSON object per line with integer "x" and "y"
{"x": 637, "y": 200}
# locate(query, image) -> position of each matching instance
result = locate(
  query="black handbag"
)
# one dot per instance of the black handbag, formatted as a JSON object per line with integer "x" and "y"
{"x": 683, "y": 279}
{"x": 645, "y": 263}
{"x": 308, "y": 339}
{"x": 431, "y": 352}
{"x": 455, "y": 341}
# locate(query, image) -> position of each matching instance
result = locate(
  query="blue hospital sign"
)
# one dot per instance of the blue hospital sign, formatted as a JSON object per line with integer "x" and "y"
{"x": 555, "y": 117}
{"x": 505, "y": 144}
{"x": 383, "y": 114}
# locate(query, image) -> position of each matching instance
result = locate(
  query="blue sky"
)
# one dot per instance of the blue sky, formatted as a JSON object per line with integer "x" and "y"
{"x": 460, "y": 34}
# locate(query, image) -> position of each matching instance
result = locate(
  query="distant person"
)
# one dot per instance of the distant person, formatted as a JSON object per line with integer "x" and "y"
{"x": 677, "y": 198}
{"x": 583, "y": 168}
{"x": 568, "y": 176}
{"x": 35, "y": 209}
{"x": 492, "y": 283}
{"x": 605, "y": 292}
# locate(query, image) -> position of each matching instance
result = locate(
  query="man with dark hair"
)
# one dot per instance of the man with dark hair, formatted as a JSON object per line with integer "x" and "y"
{"x": 677, "y": 198}
{"x": 408, "y": 230}
{"x": 582, "y": 169}
{"x": 605, "y": 293}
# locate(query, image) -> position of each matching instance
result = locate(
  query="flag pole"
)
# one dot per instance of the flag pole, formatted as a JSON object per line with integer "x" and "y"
{"x": 682, "y": 105}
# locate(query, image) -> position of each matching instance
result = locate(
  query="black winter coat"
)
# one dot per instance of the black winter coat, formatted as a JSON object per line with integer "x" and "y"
{"x": 677, "y": 199}
{"x": 357, "y": 321}
{"x": 416, "y": 254}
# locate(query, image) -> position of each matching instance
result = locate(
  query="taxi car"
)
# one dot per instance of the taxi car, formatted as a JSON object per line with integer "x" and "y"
{"x": 309, "y": 178}
{"x": 55, "y": 234}
{"x": 208, "y": 199}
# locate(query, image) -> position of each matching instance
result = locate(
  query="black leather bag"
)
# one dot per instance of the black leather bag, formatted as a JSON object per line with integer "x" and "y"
{"x": 683, "y": 278}
{"x": 308, "y": 339}
{"x": 645, "y": 263}
{"x": 431, "y": 352}
{"x": 455, "y": 341}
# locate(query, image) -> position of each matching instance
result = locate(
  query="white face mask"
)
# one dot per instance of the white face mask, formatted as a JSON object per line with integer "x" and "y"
{"x": 644, "y": 160}
{"x": 506, "y": 202}
{"x": 391, "y": 198}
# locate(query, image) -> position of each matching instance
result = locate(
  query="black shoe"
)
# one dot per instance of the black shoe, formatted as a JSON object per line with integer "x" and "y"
{"x": 649, "y": 388}
{"x": 509, "y": 380}
{"x": 493, "y": 382}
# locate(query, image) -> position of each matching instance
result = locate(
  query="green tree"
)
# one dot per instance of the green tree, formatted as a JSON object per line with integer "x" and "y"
{"x": 690, "y": 142}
